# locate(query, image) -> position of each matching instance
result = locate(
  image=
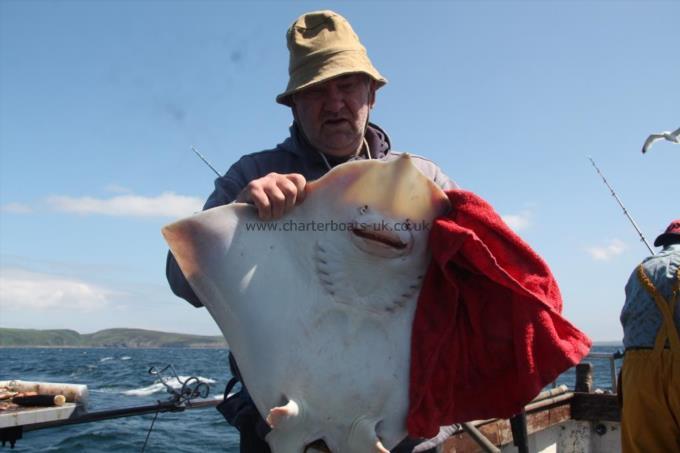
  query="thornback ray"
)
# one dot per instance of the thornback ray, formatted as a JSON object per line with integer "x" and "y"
{"x": 317, "y": 306}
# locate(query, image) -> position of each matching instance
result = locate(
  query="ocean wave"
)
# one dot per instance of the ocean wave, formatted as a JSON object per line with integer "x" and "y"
{"x": 125, "y": 357}
{"x": 105, "y": 359}
{"x": 105, "y": 390}
{"x": 158, "y": 387}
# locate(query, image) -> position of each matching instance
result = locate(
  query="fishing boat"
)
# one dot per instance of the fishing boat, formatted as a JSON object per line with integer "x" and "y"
{"x": 558, "y": 420}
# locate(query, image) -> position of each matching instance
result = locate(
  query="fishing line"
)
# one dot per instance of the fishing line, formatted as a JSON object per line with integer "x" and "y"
{"x": 149, "y": 432}
{"x": 191, "y": 387}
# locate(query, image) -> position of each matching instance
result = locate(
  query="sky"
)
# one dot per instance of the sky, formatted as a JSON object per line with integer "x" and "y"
{"x": 101, "y": 101}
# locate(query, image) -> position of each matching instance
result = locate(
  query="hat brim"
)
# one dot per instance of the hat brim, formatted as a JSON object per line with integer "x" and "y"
{"x": 666, "y": 239}
{"x": 332, "y": 66}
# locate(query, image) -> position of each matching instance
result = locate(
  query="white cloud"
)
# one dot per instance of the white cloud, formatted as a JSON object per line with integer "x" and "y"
{"x": 607, "y": 252}
{"x": 166, "y": 204}
{"x": 17, "y": 208}
{"x": 518, "y": 222}
{"x": 25, "y": 291}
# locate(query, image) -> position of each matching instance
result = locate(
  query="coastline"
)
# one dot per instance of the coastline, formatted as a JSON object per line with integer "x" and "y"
{"x": 108, "y": 338}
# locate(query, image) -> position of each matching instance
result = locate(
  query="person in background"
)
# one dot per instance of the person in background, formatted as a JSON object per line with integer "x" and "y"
{"x": 650, "y": 383}
{"x": 331, "y": 91}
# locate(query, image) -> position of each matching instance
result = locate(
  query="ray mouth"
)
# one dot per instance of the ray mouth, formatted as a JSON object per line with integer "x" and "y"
{"x": 382, "y": 238}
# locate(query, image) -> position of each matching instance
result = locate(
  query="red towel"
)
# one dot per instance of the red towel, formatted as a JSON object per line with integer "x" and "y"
{"x": 488, "y": 335}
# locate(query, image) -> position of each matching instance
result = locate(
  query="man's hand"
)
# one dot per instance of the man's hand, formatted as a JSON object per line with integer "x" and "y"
{"x": 275, "y": 194}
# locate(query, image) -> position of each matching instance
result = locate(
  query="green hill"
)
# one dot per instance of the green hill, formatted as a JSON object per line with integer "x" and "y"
{"x": 123, "y": 338}
{"x": 31, "y": 337}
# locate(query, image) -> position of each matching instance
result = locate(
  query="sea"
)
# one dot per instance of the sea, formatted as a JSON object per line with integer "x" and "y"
{"x": 119, "y": 378}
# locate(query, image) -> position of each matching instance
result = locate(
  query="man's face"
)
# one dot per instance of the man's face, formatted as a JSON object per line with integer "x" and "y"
{"x": 333, "y": 114}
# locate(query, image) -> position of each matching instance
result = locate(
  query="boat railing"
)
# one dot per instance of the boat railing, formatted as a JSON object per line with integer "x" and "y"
{"x": 596, "y": 358}
{"x": 611, "y": 357}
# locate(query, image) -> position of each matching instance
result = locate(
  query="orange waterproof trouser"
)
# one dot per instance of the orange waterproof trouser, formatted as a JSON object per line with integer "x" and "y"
{"x": 650, "y": 418}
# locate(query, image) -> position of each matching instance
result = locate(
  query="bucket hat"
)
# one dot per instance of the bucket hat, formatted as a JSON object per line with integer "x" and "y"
{"x": 670, "y": 236}
{"x": 323, "y": 45}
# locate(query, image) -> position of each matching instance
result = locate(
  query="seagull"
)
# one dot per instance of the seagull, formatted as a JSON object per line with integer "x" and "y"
{"x": 673, "y": 137}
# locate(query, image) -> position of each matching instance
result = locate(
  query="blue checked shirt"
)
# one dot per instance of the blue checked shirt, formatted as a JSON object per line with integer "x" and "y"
{"x": 640, "y": 317}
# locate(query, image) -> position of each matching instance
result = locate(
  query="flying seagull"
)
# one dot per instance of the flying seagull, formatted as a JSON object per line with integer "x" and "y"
{"x": 673, "y": 137}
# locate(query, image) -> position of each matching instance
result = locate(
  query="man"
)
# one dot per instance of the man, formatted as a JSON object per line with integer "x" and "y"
{"x": 650, "y": 418}
{"x": 331, "y": 90}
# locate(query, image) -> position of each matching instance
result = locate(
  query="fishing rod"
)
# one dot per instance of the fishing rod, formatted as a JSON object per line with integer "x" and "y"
{"x": 625, "y": 211}
{"x": 193, "y": 394}
{"x": 206, "y": 161}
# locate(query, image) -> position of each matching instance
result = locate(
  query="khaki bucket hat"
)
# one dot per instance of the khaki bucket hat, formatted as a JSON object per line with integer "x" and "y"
{"x": 322, "y": 46}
